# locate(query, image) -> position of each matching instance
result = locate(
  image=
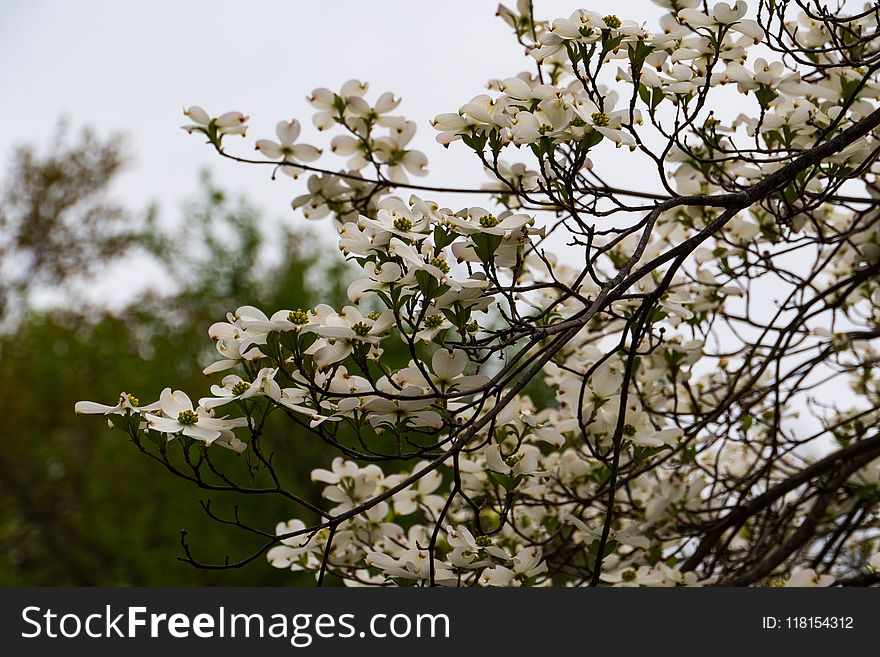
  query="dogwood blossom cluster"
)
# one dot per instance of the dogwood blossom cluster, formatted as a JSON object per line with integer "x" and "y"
{"x": 642, "y": 414}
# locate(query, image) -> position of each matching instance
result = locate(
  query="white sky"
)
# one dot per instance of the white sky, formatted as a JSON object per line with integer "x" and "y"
{"x": 132, "y": 67}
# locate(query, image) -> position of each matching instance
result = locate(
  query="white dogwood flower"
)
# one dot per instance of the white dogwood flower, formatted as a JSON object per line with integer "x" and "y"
{"x": 179, "y": 417}
{"x": 230, "y": 123}
{"x": 285, "y": 148}
{"x": 127, "y": 404}
{"x": 722, "y": 14}
{"x": 235, "y": 388}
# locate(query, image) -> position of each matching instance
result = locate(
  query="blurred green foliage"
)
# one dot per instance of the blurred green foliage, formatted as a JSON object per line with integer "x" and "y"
{"x": 79, "y": 504}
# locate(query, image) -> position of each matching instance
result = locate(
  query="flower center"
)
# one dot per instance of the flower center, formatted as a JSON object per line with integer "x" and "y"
{"x": 188, "y": 417}
{"x": 600, "y": 119}
{"x": 629, "y": 430}
{"x": 432, "y": 321}
{"x": 612, "y": 21}
{"x": 361, "y": 329}
{"x": 240, "y": 388}
{"x": 489, "y": 221}
{"x": 441, "y": 264}
{"x": 402, "y": 223}
{"x": 513, "y": 460}
{"x": 374, "y": 315}
{"x": 134, "y": 401}
{"x": 298, "y": 317}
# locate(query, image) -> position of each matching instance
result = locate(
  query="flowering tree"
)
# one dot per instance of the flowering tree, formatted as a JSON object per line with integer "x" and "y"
{"x": 686, "y": 396}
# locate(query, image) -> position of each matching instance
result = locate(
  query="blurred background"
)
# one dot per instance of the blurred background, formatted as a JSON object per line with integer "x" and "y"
{"x": 79, "y": 504}
{"x": 122, "y": 239}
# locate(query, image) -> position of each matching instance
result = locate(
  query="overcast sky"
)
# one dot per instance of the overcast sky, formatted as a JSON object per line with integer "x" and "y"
{"x": 132, "y": 67}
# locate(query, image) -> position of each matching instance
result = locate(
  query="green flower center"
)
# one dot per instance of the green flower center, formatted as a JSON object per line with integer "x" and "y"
{"x": 513, "y": 460}
{"x": 361, "y": 329}
{"x": 374, "y": 315}
{"x": 600, "y": 119}
{"x": 489, "y": 221}
{"x": 612, "y": 21}
{"x": 188, "y": 417}
{"x": 441, "y": 264}
{"x": 134, "y": 401}
{"x": 240, "y": 388}
{"x": 585, "y": 30}
{"x": 432, "y": 321}
{"x": 402, "y": 223}
{"x": 473, "y": 327}
{"x": 483, "y": 541}
{"x": 629, "y": 430}
{"x": 628, "y": 576}
{"x": 298, "y": 317}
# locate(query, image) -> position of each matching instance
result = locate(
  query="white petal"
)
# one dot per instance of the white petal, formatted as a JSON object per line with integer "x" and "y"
{"x": 344, "y": 145}
{"x": 269, "y": 148}
{"x": 386, "y": 103}
{"x": 447, "y": 364}
{"x": 219, "y": 366}
{"x": 306, "y": 153}
{"x": 201, "y": 433}
{"x": 749, "y": 28}
{"x": 231, "y": 120}
{"x": 198, "y": 115}
{"x": 493, "y": 459}
{"x": 174, "y": 403}
{"x": 354, "y": 88}
{"x": 164, "y": 424}
{"x": 694, "y": 18}
{"x": 91, "y": 407}
{"x": 287, "y": 131}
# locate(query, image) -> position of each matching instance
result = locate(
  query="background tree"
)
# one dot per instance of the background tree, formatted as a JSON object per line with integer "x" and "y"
{"x": 78, "y": 507}
{"x": 56, "y": 220}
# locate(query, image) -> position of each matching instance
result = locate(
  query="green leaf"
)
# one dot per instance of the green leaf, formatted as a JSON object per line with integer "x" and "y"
{"x": 638, "y": 52}
{"x": 477, "y": 141}
{"x": 657, "y": 97}
{"x": 765, "y": 96}
{"x": 573, "y": 52}
{"x": 507, "y": 482}
{"x": 442, "y": 237}
{"x": 609, "y": 42}
{"x": 485, "y": 245}
{"x": 591, "y": 139}
{"x": 273, "y": 345}
{"x": 495, "y": 142}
